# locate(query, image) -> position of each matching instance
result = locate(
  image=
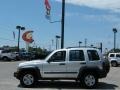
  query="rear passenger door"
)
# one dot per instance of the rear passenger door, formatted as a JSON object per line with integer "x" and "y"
{"x": 76, "y": 59}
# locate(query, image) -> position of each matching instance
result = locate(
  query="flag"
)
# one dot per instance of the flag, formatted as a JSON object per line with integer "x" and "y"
{"x": 48, "y": 7}
{"x": 13, "y": 34}
{"x": 48, "y": 17}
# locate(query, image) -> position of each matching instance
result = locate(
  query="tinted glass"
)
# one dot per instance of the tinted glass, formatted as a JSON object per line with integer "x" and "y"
{"x": 58, "y": 56}
{"x": 112, "y": 55}
{"x": 76, "y": 55}
{"x": 118, "y": 55}
{"x": 93, "y": 55}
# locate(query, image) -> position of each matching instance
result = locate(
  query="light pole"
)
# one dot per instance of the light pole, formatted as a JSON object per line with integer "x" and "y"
{"x": 92, "y": 45}
{"x": 19, "y": 28}
{"x": 57, "y": 41}
{"x": 114, "y": 31}
{"x": 79, "y": 43}
{"x": 62, "y": 23}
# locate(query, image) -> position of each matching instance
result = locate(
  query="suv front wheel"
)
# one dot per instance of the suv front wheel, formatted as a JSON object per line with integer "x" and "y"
{"x": 5, "y": 58}
{"x": 28, "y": 79}
{"x": 89, "y": 80}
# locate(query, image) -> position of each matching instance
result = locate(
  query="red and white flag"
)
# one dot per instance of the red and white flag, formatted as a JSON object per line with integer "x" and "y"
{"x": 48, "y": 7}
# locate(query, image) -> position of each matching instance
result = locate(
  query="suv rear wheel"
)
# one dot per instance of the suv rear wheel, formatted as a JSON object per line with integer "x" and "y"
{"x": 28, "y": 79}
{"x": 89, "y": 80}
{"x": 114, "y": 64}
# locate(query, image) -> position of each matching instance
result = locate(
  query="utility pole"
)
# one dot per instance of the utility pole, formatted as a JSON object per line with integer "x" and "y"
{"x": 62, "y": 23}
{"x": 101, "y": 47}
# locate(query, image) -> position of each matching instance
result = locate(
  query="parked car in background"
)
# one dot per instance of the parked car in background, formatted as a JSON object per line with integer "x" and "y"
{"x": 114, "y": 59}
{"x": 26, "y": 55}
{"x": 8, "y": 55}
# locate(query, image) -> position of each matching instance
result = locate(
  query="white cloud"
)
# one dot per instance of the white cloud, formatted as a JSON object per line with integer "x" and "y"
{"x": 100, "y": 4}
{"x": 113, "y": 18}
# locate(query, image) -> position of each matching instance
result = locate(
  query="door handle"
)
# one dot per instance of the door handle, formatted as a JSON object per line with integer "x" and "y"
{"x": 62, "y": 64}
{"x": 83, "y": 63}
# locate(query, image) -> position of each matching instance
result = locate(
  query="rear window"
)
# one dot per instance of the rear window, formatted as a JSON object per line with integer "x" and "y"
{"x": 118, "y": 55}
{"x": 93, "y": 55}
{"x": 6, "y": 51}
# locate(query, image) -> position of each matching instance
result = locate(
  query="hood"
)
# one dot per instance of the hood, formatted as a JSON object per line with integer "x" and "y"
{"x": 29, "y": 63}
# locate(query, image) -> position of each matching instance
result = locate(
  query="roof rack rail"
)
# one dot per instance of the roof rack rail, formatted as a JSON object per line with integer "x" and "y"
{"x": 82, "y": 47}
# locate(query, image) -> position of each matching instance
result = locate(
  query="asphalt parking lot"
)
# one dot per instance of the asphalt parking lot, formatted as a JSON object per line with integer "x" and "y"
{"x": 8, "y": 82}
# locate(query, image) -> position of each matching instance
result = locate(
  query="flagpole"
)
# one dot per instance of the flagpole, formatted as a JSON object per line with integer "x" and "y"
{"x": 62, "y": 23}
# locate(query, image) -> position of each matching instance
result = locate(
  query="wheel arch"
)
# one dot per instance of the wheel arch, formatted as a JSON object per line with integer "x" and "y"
{"x": 113, "y": 61}
{"x": 94, "y": 70}
{"x": 7, "y": 58}
{"x": 31, "y": 69}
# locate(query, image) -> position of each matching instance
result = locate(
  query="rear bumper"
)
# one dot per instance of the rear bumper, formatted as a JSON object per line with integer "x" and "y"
{"x": 102, "y": 74}
{"x": 106, "y": 68}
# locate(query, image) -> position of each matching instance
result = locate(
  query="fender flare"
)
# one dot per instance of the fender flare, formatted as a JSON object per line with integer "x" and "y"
{"x": 33, "y": 69}
{"x": 88, "y": 69}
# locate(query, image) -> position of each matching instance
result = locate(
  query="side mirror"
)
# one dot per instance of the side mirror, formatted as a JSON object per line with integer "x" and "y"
{"x": 48, "y": 61}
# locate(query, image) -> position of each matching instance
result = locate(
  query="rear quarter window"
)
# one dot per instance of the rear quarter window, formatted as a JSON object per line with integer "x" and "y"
{"x": 118, "y": 55}
{"x": 93, "y": 55}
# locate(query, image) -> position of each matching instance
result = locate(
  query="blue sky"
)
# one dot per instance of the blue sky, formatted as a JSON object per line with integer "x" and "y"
{"x": 90, "y": 19}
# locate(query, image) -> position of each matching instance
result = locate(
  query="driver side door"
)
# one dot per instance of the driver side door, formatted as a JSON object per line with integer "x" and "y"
{"x": 56, "y": 66}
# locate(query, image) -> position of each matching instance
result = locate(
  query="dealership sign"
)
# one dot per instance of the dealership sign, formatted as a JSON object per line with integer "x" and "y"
{"x": 27, "y": 36}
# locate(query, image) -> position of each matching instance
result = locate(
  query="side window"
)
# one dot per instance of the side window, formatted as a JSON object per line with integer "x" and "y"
{"x": 93, "y": 55}
{"x": 6, "y": 51}
{"x": 112, "y": 55}
{"x": 118, "y": 55}
{"x": 58, "y": 56}
{"x": 76, "y": 55}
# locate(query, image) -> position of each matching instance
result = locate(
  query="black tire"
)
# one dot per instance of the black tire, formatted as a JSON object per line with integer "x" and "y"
{"x": 114, "y": 64}
{"x": 5, "y": 58}
{"x": 89, "y": 80}
{"x": 28, "y": 79}
{"x": 17, "y": 58}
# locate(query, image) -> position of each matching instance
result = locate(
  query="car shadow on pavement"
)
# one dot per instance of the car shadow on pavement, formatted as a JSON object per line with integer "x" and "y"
{"x": 102, "y": 85}
{"x": 69, "y": 85}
